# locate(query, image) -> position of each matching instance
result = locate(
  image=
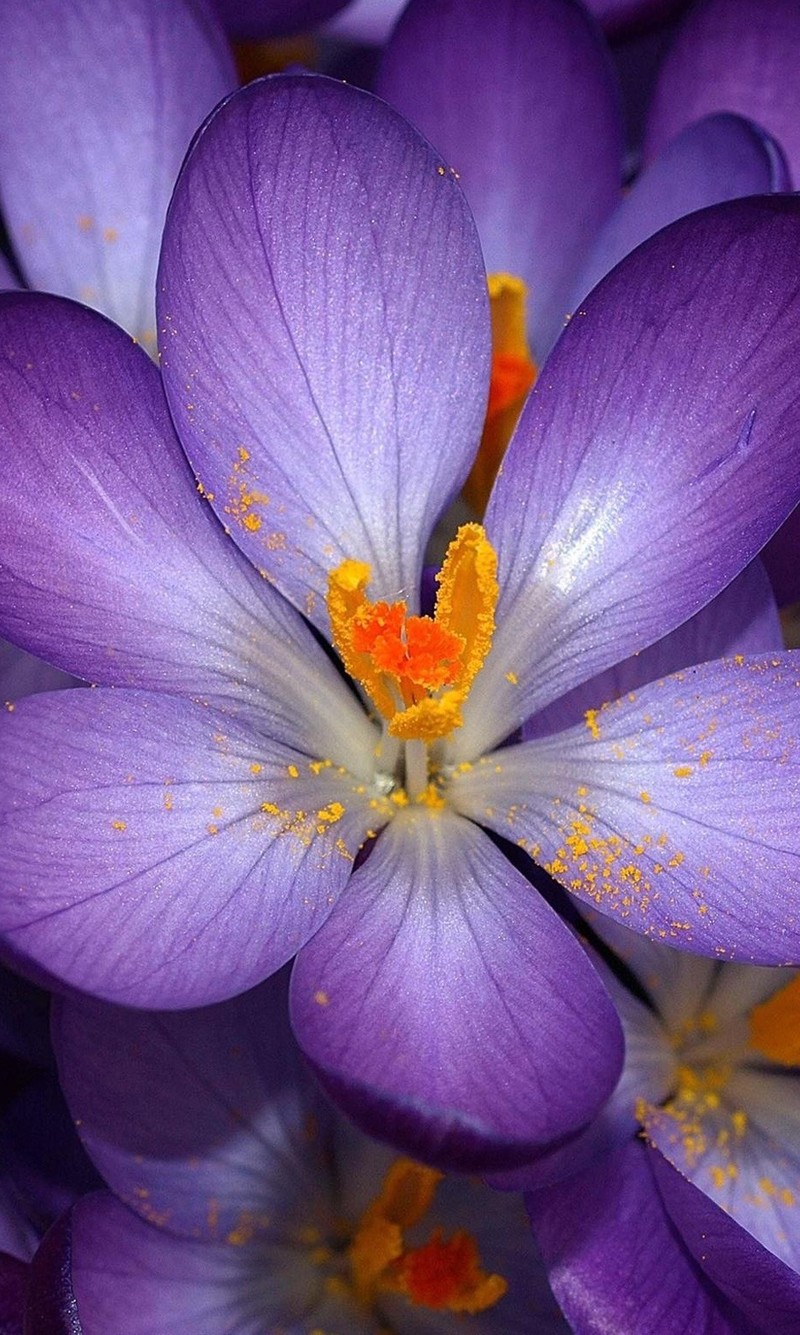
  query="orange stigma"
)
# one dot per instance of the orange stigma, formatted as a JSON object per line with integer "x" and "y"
{"x": 417, "y": 670}
{"x": 775, "y": 1025}
{"x": 513, "y": 375}
{"x": 443, "y": 1274}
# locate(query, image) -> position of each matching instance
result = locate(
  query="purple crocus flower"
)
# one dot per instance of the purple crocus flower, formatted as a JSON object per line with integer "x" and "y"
{"x": 711, "y": 1082}
{"x": 273, "y": 18}
{"x": 241, "y": 1202}
{"x": 173, "y": 840}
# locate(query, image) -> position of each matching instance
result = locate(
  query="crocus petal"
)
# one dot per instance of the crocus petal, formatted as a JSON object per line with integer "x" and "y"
{"x": 152, "y": 1096}
{"x": 618, "y": 16}
{"x": 111, "y": 565}
{"x": 763, "y": 1288}
{"x": 8, "y": 280}
{"x": 13, "y": 1291}
{"x": 743, "y": 619}
{"x": 273, "y": 18}
{"x": 615, "y": 1261}
{"x": 97, "y": 106}
{"x": 720, "y": 157}
{"x": 752, "y": 1175}
{"x": 732, "y": 55}
{"x": 326, "y": 358}
{"x": 652, "y": 460}
{"x": 672, "y": 811}
{"x": 522, "y": 103}
{"x": 22, "y": 674}
{"x": 165, "y": 855}
{"x": 781, "y": 558}
{"x": 137, "y": 1279}
{"x": 446, "y": 1007}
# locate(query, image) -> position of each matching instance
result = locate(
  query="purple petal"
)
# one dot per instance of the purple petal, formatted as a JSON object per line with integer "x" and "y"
{"x": 134, "y": 1278}
{"x": 51, "y": 1304}
{"x": 743, "y": 1154}
{"x": 98, "y": 103}
{"x": 22, "y": 674}
{"x": 720, "y": 157}
{"x": 152, "y": 1096}
{"x": 742, "y": 619}
{"x": 13, "y": 1292}
{"x": 522, "y": 103}
{"x": 159, "y": 854}
{"x": 617, "y": 16}
{"x": 8, "y": 280}
{"x": 326, "y": 358}
{"x": 272, "y": 18}
{"x": 671, "y": 811}
{"x": 781, "y": 558}
{"x": 446, "y": 1007}
{"x": 762, "y": 1287}
{"x": 615, "y": 1261}
{"x": 111, "y": 565}
{"x": 732, "y": 55}
{"x": 652, "y": 460}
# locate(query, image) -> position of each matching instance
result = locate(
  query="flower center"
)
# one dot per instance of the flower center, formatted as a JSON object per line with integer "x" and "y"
{"x": 513, "y": 375}
{"x": 443, "y": 1274}
{"x": 417, "y": 670}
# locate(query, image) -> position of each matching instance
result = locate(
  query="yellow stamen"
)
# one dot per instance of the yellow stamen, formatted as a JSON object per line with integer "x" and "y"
{"x": 443, "y": 1274}
{"x": 775, "y": 1025}
{"x": 513, "y": 375}
{"x": 417, "y": 670}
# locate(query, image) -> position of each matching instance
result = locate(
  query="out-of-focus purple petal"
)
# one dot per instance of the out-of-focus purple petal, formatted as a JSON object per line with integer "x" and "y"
{"x": 615, "y": 1261}
{"x": 672, "y": 811}
{"x": 8, "y": 280}
{"x": 22, "y": 674}
{"x": 13, "y": 1292}
{"x": 159, "y": 854}
{"x": 152, "y": 1096}
{"x": 132, "y": 1278}
{"x": 653, "y": 459}
{"x": 743, "y": 619}
{"x": 42, "y": 1153}
{"x": 762, "y": 1287}
{"x": 621, "y": 16}
{"x": 446, "y": 1007}
{"x": 110, "y": 563}
{"x": 781, "y": 558}
{"x": 720, "y": 157}
{"x": 325, "y": 332}
{"x": 98, "y": 103}
{"x": 273, "y": 18}
{"x": 732, "y": 55}
{"x": 520, "y": 100}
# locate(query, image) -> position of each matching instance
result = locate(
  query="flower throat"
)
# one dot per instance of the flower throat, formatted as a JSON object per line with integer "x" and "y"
{"x": 418, "y": 670}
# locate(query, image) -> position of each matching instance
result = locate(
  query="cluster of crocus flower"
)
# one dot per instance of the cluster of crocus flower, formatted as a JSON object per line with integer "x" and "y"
{"x": 484, "y": 822}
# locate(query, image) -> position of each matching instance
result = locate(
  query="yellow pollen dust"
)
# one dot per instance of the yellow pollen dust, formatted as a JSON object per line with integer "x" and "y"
{"x": 513, "y": 375}
{"x": 443, "y": 1274}
{"x": 775, "y": 1025}
{"x": 417, "y": 670}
